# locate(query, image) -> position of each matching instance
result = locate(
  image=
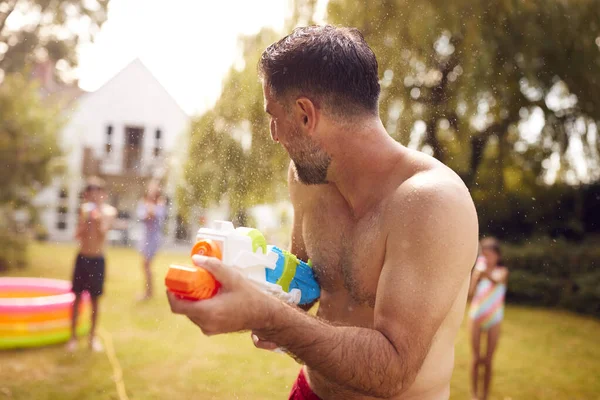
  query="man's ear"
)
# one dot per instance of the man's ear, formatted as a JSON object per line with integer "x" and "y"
{"x": 306, "y": 114}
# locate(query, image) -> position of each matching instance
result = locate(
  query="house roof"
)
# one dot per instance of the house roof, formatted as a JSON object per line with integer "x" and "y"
{"x": 137, "y": 63}
{"x": 67, "y": 93}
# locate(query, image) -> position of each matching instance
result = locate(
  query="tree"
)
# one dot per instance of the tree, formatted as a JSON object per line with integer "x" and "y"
{"x": 458, "y": 74}
{"x": 30, "y": 29}
{"x": 460, "y": 80}
{"x": 232, "y": 156}
{"x": 29, "y": 154}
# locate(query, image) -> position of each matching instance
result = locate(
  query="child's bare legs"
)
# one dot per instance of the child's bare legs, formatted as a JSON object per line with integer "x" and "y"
{"x": 72, "y": 344}
{"x": 148, "y": 276}
{"x": 492, "y": 342}
{"x": 94, "y": 342}
{"x": 477, "y": 361}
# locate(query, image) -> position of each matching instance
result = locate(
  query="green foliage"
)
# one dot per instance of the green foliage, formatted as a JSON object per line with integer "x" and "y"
{"x": 458, "y": 80}
{"x": 13, "y": 250}
{"x": 28, "y": 125}
{"x": 470, "y": 71}
{"x": 47, "y": 30}
{"x": 555, "y": 273}
{"x": 232, "y": 155}
{"x": 29, "y": 154}
{"x": 556, "y": 211}
{"x": 28, "y": 145}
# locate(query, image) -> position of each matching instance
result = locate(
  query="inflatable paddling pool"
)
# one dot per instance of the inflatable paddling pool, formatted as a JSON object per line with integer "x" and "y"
{"x": 37, "y": 312}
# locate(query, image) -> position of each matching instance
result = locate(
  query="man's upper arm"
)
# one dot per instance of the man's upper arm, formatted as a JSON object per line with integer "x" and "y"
{"x": 429, "y": 250}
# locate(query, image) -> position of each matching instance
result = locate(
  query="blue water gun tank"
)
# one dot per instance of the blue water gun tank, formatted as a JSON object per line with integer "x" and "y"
{"x": 291, "y": 273}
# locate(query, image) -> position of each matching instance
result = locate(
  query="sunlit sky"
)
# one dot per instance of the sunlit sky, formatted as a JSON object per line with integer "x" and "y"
{"x": 189, "y": 45}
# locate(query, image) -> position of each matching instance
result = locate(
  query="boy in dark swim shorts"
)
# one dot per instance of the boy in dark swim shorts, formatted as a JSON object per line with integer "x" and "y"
{"x": 95, "y": 219}
{"x": 88, "y": 275}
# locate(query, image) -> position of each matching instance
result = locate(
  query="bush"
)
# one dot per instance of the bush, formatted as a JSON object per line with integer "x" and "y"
{"x": 555, "y": 273}
{"x": 527, "y": 288}
{"x": 13, "y": 251}
{"x": 40, "y": 233}
{"x": 558, "y": 211}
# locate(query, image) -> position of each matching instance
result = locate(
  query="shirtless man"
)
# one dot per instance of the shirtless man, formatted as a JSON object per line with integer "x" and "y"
{"x": 95, "y": 219}
{"x": 392, "y": 234}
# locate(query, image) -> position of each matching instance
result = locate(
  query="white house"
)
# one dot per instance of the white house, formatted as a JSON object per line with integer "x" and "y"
{"x": 127, "y": 132}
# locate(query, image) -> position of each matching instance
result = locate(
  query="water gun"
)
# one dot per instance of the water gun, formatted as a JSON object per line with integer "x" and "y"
{"x": 274, "y": 270}
{"x": 88, "y": 209}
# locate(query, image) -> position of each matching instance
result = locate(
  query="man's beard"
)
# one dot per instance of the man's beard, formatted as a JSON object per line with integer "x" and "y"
{"x": 311, "y": 174}
{"x": 311, "y": 168}
{"x": 311, "y": 163}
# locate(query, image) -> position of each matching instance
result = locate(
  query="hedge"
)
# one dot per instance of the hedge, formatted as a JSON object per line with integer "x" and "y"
{"x": 13, "y": 250}
{"x": 557, "y": 211}
{"x": 555, "y": 273}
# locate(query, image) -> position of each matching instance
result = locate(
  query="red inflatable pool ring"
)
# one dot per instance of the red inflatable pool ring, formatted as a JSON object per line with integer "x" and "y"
{"x": 37, "y": 312}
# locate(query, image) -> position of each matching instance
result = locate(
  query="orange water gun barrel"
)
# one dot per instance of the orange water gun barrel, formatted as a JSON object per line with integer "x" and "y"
{"x": 207, "y": 248}
{"x": 194, "y": 283}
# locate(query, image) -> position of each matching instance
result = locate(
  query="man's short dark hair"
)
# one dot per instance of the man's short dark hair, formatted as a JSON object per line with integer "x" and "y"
{"x": 333, "y": 66}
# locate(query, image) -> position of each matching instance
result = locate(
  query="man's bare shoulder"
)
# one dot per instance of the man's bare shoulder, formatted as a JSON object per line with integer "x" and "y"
{"x": 433, "y": 205}
{"x": 433, "y": 187}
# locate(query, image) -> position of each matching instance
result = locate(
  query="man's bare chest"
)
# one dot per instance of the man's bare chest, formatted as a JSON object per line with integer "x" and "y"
{"x": 347, "y": 253}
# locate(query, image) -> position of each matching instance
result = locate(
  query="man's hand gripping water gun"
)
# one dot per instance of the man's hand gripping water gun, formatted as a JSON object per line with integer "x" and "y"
{"x": 273, "y": 270}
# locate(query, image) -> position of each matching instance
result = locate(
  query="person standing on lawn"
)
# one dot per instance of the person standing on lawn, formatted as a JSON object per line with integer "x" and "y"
{"x": 488, "y": 288}
{"x": 95, "y": 219}
{"x": 151, "y": 211}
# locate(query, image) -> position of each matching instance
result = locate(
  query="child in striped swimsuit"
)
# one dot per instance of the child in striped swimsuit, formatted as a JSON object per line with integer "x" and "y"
{"x": 488, "y": 282}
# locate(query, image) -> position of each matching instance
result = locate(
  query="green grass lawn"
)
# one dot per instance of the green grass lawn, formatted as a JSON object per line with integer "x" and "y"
{"x": 542, "y": 354}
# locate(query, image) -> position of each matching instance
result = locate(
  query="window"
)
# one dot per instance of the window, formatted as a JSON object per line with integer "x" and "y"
{"x": 132, "y": 156}
{"x": 62, "y": 209}
{"x": 109, "y": 132}
{"x": 157, "y": 143}
{"x": 61, "y": 220}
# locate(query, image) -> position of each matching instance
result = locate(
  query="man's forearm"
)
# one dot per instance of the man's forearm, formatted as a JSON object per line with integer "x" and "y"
{"x": 359, "y": 359}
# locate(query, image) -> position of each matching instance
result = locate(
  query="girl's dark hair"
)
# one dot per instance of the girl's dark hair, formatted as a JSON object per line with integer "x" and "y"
{"x": 493, "y": 244}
